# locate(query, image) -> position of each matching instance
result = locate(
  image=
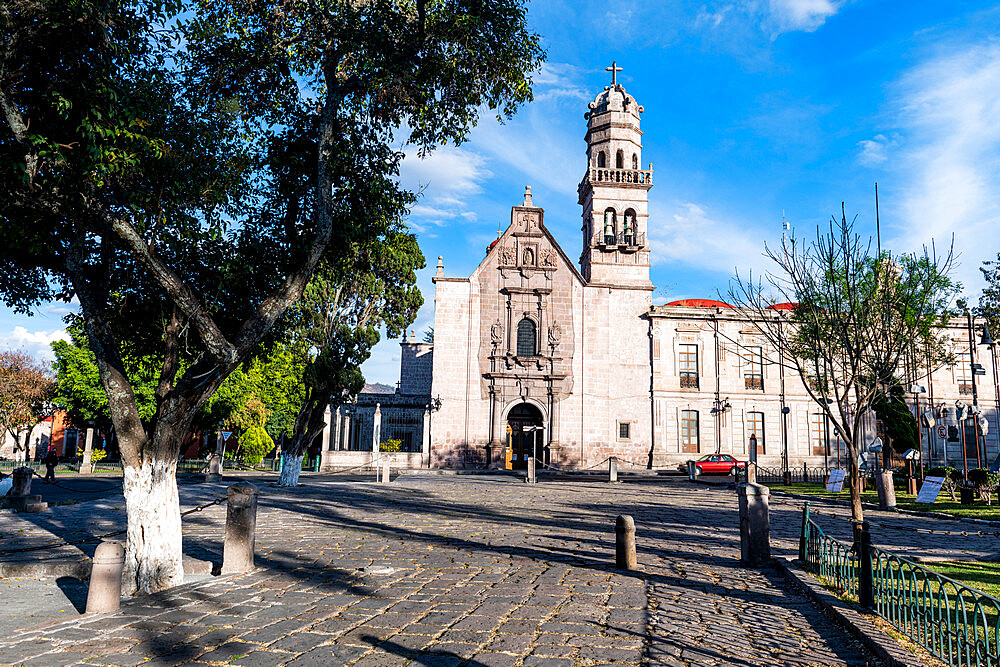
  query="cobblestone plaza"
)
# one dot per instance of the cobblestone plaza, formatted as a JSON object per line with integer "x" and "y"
{"x": 476, "y": 570}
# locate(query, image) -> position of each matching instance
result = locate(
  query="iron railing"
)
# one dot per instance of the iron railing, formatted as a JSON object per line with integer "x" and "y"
{"x": 957, "y": 624}
{"x": 796, "y": 475}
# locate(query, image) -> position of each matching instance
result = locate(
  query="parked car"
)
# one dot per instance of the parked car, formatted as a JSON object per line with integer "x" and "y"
{"x": 718, "y": 464}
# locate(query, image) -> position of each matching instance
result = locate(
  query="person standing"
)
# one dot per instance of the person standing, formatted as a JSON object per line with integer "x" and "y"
{"x": 50, "y": 462}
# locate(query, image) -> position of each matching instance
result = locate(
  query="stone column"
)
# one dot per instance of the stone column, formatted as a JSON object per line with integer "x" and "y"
{"x": 215, "y": 463}
{"x": 376, "y": 430}
{"x": 86, "y": 467}
{"x": 426, "y": 444}
{"x": 337, "y": 443}
{"x": 755, "y": 524}
{"x": 496, "y": 433}
{"x": 326, "y": 457}
{"x": 346, "y": 440}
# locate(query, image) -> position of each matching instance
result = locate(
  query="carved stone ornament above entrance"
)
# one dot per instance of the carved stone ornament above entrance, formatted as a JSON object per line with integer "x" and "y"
{"x": 507, "y": 255}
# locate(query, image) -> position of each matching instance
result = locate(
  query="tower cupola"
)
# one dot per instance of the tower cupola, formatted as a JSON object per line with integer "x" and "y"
{"x": 613, "y": 192}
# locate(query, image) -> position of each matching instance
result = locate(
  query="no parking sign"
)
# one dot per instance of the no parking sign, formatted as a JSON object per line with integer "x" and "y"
{"x": 942, "y": 431}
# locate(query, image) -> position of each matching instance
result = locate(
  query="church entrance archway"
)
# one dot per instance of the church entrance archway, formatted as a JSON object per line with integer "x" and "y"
{"x": 525, "y": 436}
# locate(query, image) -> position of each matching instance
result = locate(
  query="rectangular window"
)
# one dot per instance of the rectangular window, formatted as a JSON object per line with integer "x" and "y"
{"x": 963, "y": 377}
{"x": 689, "y": 431}
{"x": 753, "y": 368}
{"x": 817, "y": 434}
{"x": 623, "y": 430}
{"x": 755, "y": 426}
{"x": 688, "y": 366}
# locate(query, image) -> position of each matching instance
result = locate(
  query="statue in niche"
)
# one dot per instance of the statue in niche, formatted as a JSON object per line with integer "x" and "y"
{"x": 548, "y": 257}
{"x": 507, "y": 254}
{"x": 528, "y": 258}
{"x": 496, "y": 334}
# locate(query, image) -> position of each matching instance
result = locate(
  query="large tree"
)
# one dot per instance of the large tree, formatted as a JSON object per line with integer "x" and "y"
{"x": 859, "y": 315}
{"x": 152, "y": 164}
{"x": 26, "y": 393}
{"x": 338, "y": 321}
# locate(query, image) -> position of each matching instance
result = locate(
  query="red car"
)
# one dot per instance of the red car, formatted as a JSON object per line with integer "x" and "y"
{"x": 719, "y": 464}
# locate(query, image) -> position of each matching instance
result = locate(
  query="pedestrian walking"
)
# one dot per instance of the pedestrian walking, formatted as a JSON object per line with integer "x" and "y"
{"x": 50, "y": 462}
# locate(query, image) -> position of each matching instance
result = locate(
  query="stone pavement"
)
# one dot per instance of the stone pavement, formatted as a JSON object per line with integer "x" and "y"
{"x": 450, "y": 570}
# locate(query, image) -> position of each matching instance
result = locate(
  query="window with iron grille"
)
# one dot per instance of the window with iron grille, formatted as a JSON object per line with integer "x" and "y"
{"x": 755, "y": 426}
{"x": 817, "y": 434}
{"x": 526, "y": 337}
{"x": 753, "y": 368}
{"x": 687, "y": 365}
{"x": 623, "y": 430}
{"x": 689, "y": 431}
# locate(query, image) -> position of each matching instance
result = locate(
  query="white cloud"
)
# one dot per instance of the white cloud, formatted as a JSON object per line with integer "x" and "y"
{"x": 445, "y": 180}
{"x": 35, "y": 343}
{"x": 694, "y": 238}
{"x": 805, "y": 15}
{"x": 873, "y": 151}
{"x": 947, "y": 109}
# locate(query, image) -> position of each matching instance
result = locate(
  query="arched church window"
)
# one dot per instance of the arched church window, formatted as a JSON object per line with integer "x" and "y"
{"x": 609, "y": 226}
{"x": 526, "y": 336}
{"x": 600, "y": 159}
{"x": 619, "y": 161}
{"x": 635, "y": 161}
{"x": 628, "y": 227}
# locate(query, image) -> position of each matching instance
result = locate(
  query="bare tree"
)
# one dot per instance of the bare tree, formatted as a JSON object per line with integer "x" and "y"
{"x": 26, "y": 391}
{"x": 858, "y": 314}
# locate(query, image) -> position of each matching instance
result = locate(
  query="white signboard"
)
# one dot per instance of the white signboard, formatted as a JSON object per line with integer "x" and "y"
{"x": 930, "y": 489}
{"x": 836, "y": 482}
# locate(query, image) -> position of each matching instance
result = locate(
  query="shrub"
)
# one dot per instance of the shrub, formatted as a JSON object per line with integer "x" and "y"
{"x": 951, "y": 479}
{"x": 255, "y": 444}
{"x": 394, "y": 445}
{"x": 985, "y": 482}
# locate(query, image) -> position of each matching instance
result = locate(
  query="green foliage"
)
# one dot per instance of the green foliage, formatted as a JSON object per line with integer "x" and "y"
{"x": 394, "y": 445}
{"x": 900, "y": 424}
{"x": 255, "y": 444}
{"x": 96, "y": 455}
{"x": 985, "y": 482}
{"x": 952, "y": 478}
{"x": 989, "y": 299}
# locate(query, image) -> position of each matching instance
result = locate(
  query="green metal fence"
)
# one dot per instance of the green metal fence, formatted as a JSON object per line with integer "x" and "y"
{"x": 954, "y": 622}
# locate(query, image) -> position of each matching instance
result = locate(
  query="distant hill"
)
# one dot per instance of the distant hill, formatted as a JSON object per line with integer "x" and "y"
{"x": 378, "y": 388}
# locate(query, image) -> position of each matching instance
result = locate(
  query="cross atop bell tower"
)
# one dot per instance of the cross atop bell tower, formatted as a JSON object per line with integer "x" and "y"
{"x": 614, "y": 69}
{"x": 614, "y": 191}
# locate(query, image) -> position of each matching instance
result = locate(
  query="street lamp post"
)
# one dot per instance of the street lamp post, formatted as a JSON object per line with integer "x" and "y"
{"x": 719, "y": 408}
{"x": 987, "y": 340}
{"x": 916, "y": 390}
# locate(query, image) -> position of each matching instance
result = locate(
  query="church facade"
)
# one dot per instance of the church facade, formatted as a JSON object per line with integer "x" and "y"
{"x": 534, "y": 354}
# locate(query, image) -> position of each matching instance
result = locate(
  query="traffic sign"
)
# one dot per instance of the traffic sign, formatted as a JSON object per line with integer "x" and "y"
{"x": 942, "y": 431}
{"x": 225, "y": 434}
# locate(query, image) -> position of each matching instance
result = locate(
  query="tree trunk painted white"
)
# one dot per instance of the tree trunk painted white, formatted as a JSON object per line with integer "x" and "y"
{"x": 153, "y": 553}
{"x": 290, "y": 468}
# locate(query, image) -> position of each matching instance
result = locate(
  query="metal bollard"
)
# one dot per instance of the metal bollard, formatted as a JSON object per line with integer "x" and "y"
{"x": 241, "y": 528}
{"x": 625, "y": 558}
{"x": 613, "y": 469}
{"x": 105, "y": 592}
{"x": 530, "y": 479}
{"x": 21, "y": 481}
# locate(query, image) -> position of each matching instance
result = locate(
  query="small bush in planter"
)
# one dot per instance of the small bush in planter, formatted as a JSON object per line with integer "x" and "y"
{"x": 952, "y": 478}
{"x": 394, "y": 445}
{"x": 985, "y": 482}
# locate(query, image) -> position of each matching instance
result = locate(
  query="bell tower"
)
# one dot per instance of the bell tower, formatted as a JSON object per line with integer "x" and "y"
{"x": 614, "y": 191}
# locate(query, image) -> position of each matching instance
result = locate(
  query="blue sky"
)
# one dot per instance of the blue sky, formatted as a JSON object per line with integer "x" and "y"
{"x": 752, "y": 107}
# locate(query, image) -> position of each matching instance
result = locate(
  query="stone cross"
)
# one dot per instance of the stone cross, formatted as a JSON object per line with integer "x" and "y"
{"x": 614, "y": 69}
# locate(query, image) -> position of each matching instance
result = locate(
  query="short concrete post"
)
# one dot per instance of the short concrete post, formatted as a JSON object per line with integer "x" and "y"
{"x": 755, "y": 524}
{"x": 886, "y": 490}
{"x": 531, "y": 479}
{"x": 625, "y": 558}
{"x": 21, "y": 481}
{"x": 613, "y": 469}
{"x": 385, "y": 471}
{"x": 241, "y": 528}
{"x": 215, "y": 463}
{"x": 105, "y": 591}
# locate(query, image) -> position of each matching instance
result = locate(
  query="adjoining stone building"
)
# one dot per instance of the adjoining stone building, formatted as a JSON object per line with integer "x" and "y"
{"x": 532, "y": 354}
